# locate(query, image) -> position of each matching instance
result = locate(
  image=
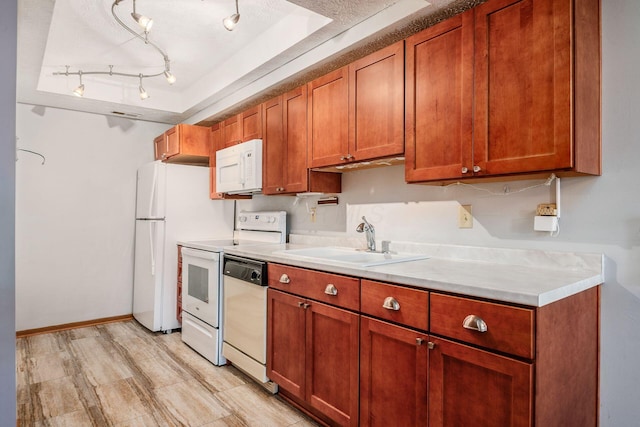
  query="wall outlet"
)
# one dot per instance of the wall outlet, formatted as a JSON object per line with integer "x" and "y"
{"x": 465, "y": 219}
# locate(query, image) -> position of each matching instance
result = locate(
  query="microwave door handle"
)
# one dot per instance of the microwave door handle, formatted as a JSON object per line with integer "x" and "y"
{"x": 242, "y": 168}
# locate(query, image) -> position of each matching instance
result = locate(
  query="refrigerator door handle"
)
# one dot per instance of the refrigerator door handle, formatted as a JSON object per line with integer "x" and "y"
{"x": 152, "y": 247}
{"x": 152, "y": 196}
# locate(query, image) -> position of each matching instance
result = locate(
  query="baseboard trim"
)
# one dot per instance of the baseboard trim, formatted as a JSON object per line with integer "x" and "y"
{"x": 66, "y": 326}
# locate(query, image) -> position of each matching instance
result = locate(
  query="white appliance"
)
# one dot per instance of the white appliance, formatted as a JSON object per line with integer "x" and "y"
{"x": 245, "y": 299}
{"x": 172, "y": 202}
{"x": 203, "y": 294}
{"x": 239, "y": 168}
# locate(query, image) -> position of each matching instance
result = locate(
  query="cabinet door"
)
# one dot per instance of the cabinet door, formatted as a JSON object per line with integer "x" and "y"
{"x": 160, "y": 147}
{"x": 376, "y": 104}
{"x": 439, "y": 100}
{"x": 332, "y": 362}
{"x": 295, "y": 135}
{"x": 274, "y": 150}
{"x": 286, "y": 342}
{"x": 173, "y": 136}
{"x": 328, "y": 122}
{"x": 393, "y": 375}
{"x": 252, "y": 123}
{"x": 231, "y": 131}
{"x": 471, "y": 387}
{"x": 523, "y": 86}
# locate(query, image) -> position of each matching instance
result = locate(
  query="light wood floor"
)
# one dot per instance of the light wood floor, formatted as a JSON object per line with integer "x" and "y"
{"x": 120, "y": 374}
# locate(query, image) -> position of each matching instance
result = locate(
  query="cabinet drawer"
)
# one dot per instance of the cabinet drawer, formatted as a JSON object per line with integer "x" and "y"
{"x": 410, "y": 308}
{"x": 508, "y": 329}
{"x": 333, "y": 289}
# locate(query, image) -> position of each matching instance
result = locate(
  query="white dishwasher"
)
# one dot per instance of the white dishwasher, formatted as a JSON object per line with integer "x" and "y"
{"x": 245, "y": 317}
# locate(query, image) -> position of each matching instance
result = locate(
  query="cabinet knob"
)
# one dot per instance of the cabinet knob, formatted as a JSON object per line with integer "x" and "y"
{"x": 284, "y": 278}
{"x": 331, "y": 289}
{"x": 475, "y": 323}
{"x": 419, "y": 341}
{"x": 390, "y": 303}
{"x": 476, "y": 169}
{"x": 431, "y": 345}
{"x": 465, "y": 169}
{"x": 303, "y": 305}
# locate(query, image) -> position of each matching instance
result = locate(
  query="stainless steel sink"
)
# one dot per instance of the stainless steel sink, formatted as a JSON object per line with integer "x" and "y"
{"x": 350, "y": 256}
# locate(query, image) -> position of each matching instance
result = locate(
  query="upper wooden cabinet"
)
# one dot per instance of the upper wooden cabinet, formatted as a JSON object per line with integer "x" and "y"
{"x": 439, "y": 100}
{"x": 186, "y": 144}
{"x": 356, "y": 113}
{"x": 242, "y": 127}
{"x": 536, "y": 92}
{"x": 285, "y": 148}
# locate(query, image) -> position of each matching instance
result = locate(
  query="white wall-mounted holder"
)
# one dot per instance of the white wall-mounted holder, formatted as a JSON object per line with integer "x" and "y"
{"x": 550, "y": 223}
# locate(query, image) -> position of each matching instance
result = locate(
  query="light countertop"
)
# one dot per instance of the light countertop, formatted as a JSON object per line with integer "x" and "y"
{"x": 528, "y": 277}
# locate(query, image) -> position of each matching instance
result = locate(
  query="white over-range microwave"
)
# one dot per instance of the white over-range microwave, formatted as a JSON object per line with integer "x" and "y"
{"x": 239, "y": 168}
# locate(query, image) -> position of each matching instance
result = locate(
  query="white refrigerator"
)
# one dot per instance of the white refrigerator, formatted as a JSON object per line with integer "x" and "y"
{"x": 172, "y": 203}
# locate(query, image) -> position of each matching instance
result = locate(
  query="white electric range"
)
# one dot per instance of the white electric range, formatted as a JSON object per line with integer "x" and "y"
{"x": 202, "y": 295}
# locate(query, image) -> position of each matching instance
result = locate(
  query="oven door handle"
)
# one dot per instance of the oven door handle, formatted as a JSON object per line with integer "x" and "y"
{"x": 197, "y": 253}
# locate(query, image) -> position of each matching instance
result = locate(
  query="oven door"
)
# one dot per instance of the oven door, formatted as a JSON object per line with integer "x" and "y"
{"x": 201, "y": 279}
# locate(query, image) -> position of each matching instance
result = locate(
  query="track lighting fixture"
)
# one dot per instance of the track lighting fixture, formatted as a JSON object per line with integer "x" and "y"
{"x": 142, "y": 20}
{"x": 145, "y": 23}
{"x": 79, "y": 91}
{"x": 143, "y": 93}
{"x": 230, "y": 21}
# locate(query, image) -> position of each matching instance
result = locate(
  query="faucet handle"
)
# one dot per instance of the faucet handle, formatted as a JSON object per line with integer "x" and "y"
{"x": 385, "y": 246}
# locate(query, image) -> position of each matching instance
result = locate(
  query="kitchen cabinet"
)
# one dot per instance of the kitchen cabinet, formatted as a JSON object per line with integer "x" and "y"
{"x": 312, "y": 347}
{"x": 393, "y": 358}
{"x": 215, "y": 137}
{"x": 425, "y": 354}
{"x": 535, "y": 106}
{"x": 285, "y": 148}
{"x": 184, "y": 144}
{"x": 242, "y": 127}
{"x": 356, "y": 113}
{"x": 439, "y": 100}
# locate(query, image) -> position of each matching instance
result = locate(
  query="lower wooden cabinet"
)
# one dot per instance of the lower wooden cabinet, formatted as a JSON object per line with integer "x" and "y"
{"x": 400, "y": 356}
{"x": 312, "y": 354}
{"x": 472, "y": 387}
{"x": 393, "y": 375}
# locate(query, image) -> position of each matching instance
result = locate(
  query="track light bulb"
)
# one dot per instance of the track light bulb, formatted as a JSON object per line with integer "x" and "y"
{"x": 143, "y": 21}
{"x": 171, "y": 79}
{"x": 143, "y": 93}
{"x": 230, "y": 21}
{"x": 79, "y": 91}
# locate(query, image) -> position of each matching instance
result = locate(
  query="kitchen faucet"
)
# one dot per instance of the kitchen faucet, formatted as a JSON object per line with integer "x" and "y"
{"x": 371, "y": 234}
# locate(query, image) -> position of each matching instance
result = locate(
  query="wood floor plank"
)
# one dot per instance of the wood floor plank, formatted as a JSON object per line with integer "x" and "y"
{"x": 120, "y": 374}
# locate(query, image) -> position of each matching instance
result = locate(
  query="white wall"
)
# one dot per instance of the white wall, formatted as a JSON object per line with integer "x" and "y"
{"x": 75, "y": 214}
{"x": 599, "y": 214}
{"x": 7, "y": 212}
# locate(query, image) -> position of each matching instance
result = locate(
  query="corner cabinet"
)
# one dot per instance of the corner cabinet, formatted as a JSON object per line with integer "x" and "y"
{"x": 356, "y": 113}
{"x": 529, "y": 103}
{"x": 184, "y": 144}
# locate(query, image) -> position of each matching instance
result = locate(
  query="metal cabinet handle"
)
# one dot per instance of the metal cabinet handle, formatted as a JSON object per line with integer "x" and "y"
{"x": 475, "y": 323}
{"x": 390, "y": 303}
{"x": 331, "y": 289}
{"x": 431, "y": 345}
{"x": 465, "y": 170}
{"x": 284, "y": 278}
{"x": 419, "y": 341}
{"x": 303, "y": 305}
{"x": 477, "y": 169}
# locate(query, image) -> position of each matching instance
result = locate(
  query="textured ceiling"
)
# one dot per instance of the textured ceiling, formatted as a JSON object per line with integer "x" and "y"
{"x": 276, "y": 46}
